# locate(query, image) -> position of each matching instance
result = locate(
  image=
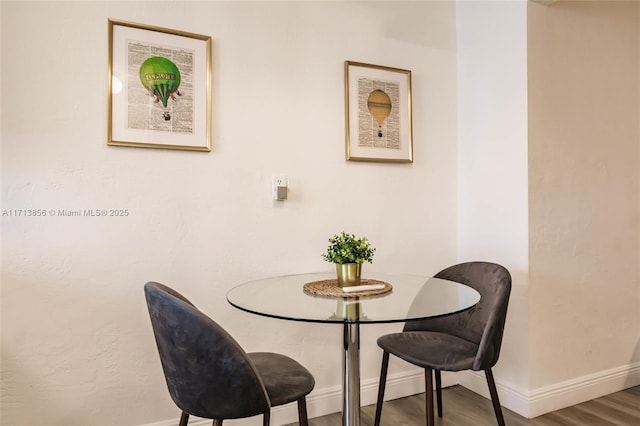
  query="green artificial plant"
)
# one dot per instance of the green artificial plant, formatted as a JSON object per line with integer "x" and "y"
{"x": 346, "y": 248}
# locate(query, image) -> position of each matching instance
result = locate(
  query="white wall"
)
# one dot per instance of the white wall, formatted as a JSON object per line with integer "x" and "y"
{"x": 549, "y": 151}
{"x": 492, "y": 168}
{"x": 77, "y": 347}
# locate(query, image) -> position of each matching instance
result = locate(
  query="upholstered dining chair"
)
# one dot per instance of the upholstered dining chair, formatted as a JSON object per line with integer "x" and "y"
{"x": 468, "y": 340}
{"x": 207, "y": 372}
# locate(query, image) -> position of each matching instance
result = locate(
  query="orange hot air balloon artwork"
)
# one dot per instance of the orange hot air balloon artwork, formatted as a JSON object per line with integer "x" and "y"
{"x": 379, "y": 105}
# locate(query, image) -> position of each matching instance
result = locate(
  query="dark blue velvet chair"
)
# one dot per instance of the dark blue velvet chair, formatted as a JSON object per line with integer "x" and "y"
{"x": 207, "y": 372}
{"x": 468, "y": 340}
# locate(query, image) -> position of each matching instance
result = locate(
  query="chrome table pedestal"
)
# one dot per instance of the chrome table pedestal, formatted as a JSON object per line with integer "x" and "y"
{"x": 351, "y": 375}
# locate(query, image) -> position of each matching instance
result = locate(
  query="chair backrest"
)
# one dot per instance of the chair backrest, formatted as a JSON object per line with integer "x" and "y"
{"x": 484, "y": 323}
{"x": 207, "y": 372}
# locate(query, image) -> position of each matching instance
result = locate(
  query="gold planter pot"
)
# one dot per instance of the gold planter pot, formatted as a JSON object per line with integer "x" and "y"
{"x": 348, "y": 274}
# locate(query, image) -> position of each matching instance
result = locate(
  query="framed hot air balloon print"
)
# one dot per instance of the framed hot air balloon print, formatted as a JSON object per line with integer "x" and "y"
{"x": 159, "y": 87}
{"x": 378, "y": 113}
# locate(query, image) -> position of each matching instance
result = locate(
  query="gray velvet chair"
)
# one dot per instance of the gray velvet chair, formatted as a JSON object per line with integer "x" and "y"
{"x": 207, "y": 372}
{"x": 468, "y": 340}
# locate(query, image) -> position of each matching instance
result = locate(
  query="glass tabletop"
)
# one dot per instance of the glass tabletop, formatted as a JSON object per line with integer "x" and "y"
{"x": 413, "y": 297}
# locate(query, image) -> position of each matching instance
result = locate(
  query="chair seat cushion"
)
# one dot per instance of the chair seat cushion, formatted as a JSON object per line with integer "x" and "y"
{"x": 430, "y": 349}
{"x": 284, "y": 378}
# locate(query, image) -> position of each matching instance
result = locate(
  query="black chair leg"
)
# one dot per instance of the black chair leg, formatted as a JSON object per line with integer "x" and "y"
{"x": 217, "y": 422}
{"x": 266, "y": 418}
{"x": 439, "y": 392}
{"x": 303, "y": 419}
{"x": 428, "y": 387}
{"x": 494, "y": 397}
{"x": 184, "y": 419}
{"x": 381, "y": 386}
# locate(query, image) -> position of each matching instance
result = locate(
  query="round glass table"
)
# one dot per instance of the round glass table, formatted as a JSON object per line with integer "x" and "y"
{"x": 411, "y": 298}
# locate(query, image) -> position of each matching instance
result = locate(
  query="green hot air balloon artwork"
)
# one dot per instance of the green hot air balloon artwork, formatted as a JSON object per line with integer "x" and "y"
{"x": 161, "y": 78}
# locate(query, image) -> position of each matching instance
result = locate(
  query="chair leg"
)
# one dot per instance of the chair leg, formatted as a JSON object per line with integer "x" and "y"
{"x": 217, "y": 422}
{"x": 303, "y": 419}
{"x": 428, "y": 385}
{"x": 381, "y": 386}
{"x": 439, "y": 392}
{"x": 184, "y": 419}
{"x": 266, "y": 418}
{"x": 494, "y": 397}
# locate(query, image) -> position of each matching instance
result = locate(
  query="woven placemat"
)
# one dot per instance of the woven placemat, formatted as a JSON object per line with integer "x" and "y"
{"x": 332, "y": 289}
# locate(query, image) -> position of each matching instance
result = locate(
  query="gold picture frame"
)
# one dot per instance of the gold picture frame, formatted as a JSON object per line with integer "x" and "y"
{"x": 378, "y": 113}
{"x": 159, "y": 88}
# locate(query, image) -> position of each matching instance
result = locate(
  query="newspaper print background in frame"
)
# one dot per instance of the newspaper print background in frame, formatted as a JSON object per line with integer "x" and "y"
{"x": 378, "y": 113}
{"x": 159, "y": 88}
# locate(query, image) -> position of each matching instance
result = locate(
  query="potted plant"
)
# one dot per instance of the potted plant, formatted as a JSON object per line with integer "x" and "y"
{"x": 348, "y": 253}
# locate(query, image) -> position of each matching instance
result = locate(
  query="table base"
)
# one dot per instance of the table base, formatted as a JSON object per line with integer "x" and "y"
{"x": 351, "y": 375}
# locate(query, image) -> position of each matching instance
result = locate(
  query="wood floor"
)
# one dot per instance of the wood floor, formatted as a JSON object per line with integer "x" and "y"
{"x": 464, "y": 408}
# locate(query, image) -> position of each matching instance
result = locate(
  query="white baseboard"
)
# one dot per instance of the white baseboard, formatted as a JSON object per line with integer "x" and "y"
{"x": 528, "y": 404}
{"x": 585, "y": 388}
{"x": 329, "y": 400}
{"x": 544, "y": 400}
{"x": 511, "y": 397}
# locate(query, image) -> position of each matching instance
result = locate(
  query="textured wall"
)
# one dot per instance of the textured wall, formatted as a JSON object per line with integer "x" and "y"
{"x": 584, "y": 159}
{"x": 77, "y": 347}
